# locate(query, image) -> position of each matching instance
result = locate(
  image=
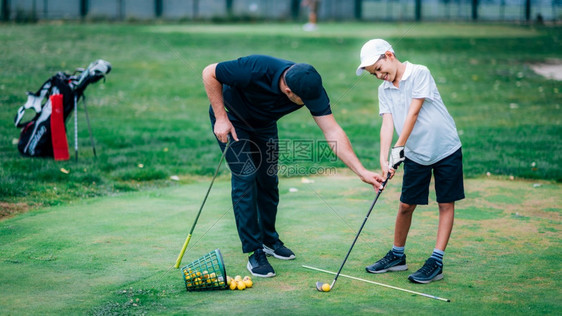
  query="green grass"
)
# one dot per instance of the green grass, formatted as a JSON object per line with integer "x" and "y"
{"x": 114, "y": 255}
{"x": 78, "y": 253}
{"x": 102, "y": 239}
{"x": 152, "y": 110}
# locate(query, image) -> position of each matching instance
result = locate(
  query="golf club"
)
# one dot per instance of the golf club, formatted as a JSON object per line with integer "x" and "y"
{"x": 323, "y": 287}
{"x": 89, "y": 127}
{"x": 180, "y": 256}
{"x": 382, "y": 284}
{"x": 75, "y": 128}
{"x": 95, "y": 71}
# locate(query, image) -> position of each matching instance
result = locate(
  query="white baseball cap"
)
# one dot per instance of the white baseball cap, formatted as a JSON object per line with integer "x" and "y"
{"x": 371, "y": 52}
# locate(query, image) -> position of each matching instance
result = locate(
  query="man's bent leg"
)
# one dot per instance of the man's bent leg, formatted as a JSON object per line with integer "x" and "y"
{"x": 268, "y": 184}
{"x": 244, "y": 190}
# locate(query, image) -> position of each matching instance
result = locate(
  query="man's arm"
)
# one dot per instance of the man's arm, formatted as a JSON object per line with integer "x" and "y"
{"x": 213, "y": 87}
{"x": 340, "y": 145}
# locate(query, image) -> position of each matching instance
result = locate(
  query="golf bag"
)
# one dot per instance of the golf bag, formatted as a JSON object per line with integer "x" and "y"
{"x": 45, "y": 134}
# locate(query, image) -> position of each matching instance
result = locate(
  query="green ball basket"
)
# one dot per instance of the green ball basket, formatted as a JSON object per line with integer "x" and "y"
{"x": 206, "y": 273}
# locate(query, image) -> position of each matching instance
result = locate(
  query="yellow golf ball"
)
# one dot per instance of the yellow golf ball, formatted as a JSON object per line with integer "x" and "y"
{"x": 248, "y": 283}
{"x": 241, "y": 285}
{"x": 326, "y": 287}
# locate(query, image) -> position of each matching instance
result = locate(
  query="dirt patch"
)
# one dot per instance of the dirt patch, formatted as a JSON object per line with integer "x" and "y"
{"x": 551, "y": 69}
{"x": 9, "y": 209}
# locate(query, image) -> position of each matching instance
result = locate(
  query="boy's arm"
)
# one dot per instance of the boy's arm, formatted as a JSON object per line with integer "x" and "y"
{"x": 387, "y": 131}
{"x": 397, "y": 153}
{"x": 411, "y": 118}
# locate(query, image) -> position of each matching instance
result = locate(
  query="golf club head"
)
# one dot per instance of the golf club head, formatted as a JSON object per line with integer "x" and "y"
{"x": 319, "y": 287}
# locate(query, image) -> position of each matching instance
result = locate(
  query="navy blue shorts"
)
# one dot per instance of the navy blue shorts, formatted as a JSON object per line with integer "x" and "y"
{"x": 448, "y": 175}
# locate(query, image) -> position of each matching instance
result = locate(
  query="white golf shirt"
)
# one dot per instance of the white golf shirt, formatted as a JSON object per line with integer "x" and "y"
{"x": 434, "y": 135}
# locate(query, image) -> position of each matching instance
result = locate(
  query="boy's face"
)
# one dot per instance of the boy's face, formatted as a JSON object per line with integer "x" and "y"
{"x": 384, "y": 68}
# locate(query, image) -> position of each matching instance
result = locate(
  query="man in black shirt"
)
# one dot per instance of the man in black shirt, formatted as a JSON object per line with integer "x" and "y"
{"x": 248, "y": 95}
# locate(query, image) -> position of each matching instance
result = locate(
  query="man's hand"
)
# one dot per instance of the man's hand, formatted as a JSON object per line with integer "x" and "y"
{"x": 223, "y": 128}
{"x": 373, "y": 179}
{"x": 396, "y": 156}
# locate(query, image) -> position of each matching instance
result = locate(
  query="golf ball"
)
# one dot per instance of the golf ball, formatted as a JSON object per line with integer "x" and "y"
{"x": 326, "y": 287}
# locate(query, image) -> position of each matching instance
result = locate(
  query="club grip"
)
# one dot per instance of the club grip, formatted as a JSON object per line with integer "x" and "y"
{"x": 180, "y": 256}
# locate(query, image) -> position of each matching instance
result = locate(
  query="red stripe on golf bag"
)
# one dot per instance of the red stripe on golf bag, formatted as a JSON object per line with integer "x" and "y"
{"x": 58, "y": 130}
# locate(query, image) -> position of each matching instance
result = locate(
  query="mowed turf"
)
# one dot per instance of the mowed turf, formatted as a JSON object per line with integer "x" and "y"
{"x": 114, "y": 255}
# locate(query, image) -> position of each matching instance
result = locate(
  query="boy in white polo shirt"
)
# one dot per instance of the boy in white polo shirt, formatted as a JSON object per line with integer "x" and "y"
{"x": 427, "y": 142}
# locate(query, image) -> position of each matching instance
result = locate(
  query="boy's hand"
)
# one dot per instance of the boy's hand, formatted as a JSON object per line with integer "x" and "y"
{"x": 396, "y": 156}
{"x": 386, "y": 170}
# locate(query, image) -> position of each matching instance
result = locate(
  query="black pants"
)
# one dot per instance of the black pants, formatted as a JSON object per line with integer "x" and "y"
{"x": 255, "y": 194}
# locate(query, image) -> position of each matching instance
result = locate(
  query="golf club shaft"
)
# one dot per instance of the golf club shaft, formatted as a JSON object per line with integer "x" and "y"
{"x": 381, "y": 284}
{"x": 360, "y": 229}
{"x": 89, "y": 127}
{"x": 188, "y": 238}
{"x": 75, "y": 129}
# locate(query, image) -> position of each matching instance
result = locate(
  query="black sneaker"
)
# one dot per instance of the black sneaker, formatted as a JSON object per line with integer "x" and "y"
{"x": 430, "y": 271}
{"x": 279, "y": 251}
{"x": 390, "y": 262}
{"x": 259, "y": 266}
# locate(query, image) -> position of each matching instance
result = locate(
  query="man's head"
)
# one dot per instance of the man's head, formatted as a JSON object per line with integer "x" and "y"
{"x": 373, "y": 51}
{"x": 305, "y": 85}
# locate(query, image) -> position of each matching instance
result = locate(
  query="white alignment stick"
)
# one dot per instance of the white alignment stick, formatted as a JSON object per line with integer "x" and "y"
{"x": 381, "y": 284}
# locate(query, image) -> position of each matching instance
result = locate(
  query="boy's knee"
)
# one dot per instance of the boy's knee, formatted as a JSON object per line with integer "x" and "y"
{"x": 406, "y": 209}
{"x": 446, "y": 207}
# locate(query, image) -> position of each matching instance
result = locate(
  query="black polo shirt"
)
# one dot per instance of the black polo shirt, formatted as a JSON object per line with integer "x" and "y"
{"x": 251, "y": 90}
